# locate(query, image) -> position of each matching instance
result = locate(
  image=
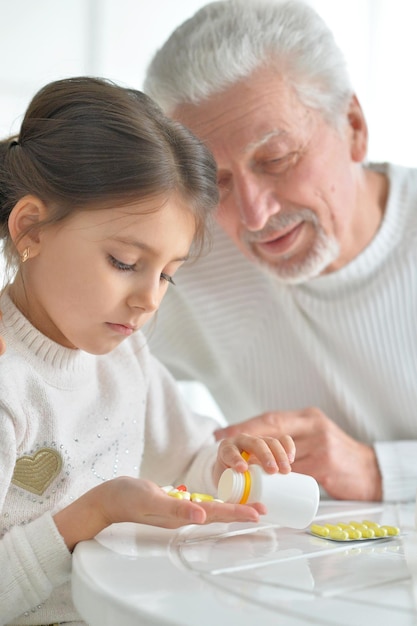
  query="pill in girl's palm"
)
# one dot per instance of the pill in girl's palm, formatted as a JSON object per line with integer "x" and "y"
{"x": 201, "y": 497}
{"x": 167, "y": 488}
{"x": 181, "y": 493}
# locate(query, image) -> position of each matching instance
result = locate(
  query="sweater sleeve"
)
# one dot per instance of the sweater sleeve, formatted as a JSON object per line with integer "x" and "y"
{"x": 397, "y": 463}
{"x": 33, "y": 560}
{"x": 179, "y": 444}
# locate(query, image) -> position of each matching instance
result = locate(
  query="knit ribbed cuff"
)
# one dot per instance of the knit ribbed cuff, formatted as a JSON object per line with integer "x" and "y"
{"x": 397, "y": 463}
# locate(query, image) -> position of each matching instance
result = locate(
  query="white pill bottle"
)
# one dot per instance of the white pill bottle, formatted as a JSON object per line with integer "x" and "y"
{"x": 291, "y": 499}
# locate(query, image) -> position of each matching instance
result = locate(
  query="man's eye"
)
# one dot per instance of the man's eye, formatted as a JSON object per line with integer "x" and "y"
{"x": 123, "y": 267}
{"x": 280, "y": 164}
{"x": 167, "y": 277}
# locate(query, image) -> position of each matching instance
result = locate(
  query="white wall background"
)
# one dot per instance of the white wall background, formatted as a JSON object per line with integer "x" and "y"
{"x": 42, "y": 40}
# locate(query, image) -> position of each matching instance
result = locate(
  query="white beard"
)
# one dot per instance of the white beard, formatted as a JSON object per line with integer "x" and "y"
{"x": 324, "y": 251}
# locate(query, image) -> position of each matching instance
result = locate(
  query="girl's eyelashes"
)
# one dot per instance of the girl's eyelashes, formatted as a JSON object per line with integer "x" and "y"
{"x": 168, "y": 278}
{"x": 124, "y": 267}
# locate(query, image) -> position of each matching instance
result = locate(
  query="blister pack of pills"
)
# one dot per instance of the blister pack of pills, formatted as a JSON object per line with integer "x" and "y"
{"x": 354, "y": 531}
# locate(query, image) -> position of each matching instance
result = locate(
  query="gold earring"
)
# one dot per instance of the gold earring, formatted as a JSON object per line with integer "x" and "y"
{"x": 25, "y": 254}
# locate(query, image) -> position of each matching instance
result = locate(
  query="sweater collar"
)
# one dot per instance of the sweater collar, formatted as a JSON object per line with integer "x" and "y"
{"x": 37, "y": 349}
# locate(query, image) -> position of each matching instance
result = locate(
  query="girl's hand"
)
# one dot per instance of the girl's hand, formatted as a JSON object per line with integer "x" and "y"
{"x": 274, "y": 455}
{"x": 128, "y": 499}
{"x": 137, "y": 500}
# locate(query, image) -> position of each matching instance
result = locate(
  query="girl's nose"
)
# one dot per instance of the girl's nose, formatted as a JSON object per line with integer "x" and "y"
{"x": 146, "y": 296}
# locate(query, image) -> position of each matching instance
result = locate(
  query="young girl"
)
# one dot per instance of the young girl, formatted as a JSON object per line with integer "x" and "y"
{"x": 101, "y": 199}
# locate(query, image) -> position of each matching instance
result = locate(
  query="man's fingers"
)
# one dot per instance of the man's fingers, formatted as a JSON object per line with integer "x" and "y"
{"x": 273, "y": 424}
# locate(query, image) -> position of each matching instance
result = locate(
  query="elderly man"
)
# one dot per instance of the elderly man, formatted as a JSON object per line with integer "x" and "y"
{"x": 301, "y": 319}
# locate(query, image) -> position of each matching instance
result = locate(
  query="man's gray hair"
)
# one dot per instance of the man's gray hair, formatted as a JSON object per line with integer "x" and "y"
{"x": 226, "y": 41}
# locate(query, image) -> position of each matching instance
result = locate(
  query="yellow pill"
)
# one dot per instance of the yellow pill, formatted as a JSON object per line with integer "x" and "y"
{"x": 370, "y": 523}
{"x": 340, "y": 535}
{"x": 380, "y": 532}
{"x": 322, "y": 531}
{"x": 355, "y": 524}
{"x": 201, "y": 497}
{"x": 344, "y": 526}
{"x": 333, "y": 526}
{"x": 392, "y": 530}
{"x": 176, "y": 494}
{"x": 353, "y": 533}
{"x": 367, "y": 533}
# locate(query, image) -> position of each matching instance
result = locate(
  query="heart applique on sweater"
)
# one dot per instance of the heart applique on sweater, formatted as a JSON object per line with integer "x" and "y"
{"x": 35, "y": 473}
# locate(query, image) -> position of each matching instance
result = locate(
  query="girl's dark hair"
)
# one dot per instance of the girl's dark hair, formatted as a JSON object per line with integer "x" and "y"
{"x": 87, "y": 143}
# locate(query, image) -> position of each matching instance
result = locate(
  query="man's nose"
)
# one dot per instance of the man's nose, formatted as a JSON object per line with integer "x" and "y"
{"x": 256, "y": 201}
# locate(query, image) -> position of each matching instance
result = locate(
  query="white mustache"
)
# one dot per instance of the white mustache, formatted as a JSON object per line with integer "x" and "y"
{"x": 324, "y": 250}
{"x": 281, "y": 221}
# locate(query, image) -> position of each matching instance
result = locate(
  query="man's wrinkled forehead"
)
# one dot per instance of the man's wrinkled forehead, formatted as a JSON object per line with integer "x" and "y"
{"x": 273, "y": 134}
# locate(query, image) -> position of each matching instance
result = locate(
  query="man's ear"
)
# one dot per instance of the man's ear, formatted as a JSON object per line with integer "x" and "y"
{"x": 358, "y": 131}
{"x": 24, "y": 224}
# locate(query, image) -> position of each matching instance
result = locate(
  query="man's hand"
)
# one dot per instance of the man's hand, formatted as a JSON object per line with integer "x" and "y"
{"x": 344, "y": 467}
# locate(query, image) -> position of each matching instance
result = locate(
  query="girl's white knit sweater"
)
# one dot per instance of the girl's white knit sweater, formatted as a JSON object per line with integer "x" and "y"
{"x": 68, "y": 421}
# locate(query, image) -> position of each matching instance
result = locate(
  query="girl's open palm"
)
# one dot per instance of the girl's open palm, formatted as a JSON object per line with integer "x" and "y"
{"x": 137, "y": 500}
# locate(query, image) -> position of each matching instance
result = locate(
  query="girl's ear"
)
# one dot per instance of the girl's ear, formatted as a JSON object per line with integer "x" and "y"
{"x": 24, "y": 224}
